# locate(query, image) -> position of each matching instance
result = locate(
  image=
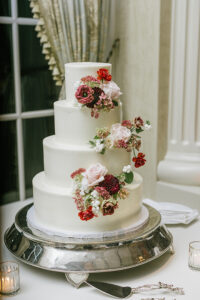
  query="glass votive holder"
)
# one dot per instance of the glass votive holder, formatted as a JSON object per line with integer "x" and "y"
{"x": 9, "y": 278}
{"x": 194, "y": 255}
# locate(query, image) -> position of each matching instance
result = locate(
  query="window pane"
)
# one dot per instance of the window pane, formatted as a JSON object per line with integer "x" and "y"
{"x": 7, "y": 101}
{"x": 34, "y": 131}
{"x": 24, "y": 10}
{"x": 37, "y": 86}
{"x": 8, "y": 156}
{"x": 5, "y": 9}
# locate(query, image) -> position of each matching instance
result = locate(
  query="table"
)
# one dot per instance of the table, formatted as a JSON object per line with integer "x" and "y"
{"x": 171, "y": 269}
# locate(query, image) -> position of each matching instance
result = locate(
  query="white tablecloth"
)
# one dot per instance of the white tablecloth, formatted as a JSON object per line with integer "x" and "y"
{"x": 172, "y": 269}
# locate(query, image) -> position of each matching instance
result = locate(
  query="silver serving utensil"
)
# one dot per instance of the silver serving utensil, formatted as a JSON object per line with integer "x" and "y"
{"x": 113, "y": 290}
{"x": 117, "y": 291}
{"x": 77, "y": 279}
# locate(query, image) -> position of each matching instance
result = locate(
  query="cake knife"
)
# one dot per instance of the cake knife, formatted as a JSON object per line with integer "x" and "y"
{"x": 117, "y": 291}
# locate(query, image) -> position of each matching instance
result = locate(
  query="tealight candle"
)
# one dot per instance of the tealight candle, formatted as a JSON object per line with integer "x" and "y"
{"x": 194, "y": 255}
{"x": 9, "y": 278}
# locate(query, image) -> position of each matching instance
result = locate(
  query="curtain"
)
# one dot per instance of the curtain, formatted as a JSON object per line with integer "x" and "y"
{"x": 73, "y": 30}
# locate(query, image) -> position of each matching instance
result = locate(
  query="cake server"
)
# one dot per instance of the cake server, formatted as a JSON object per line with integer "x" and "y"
{"x": 117, "y": 291}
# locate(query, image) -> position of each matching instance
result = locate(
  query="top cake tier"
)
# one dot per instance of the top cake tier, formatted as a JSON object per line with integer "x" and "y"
{"x": 75, "y": 71}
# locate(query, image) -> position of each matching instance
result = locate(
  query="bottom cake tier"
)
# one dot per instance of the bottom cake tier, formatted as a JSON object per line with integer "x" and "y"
{"x": 56, "y": 210}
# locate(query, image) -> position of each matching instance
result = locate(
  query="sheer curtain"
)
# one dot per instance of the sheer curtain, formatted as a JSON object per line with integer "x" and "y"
{"x": 73, "y": 30}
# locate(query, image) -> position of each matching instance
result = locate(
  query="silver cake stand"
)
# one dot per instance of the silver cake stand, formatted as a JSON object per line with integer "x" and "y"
{"x": 79, "y": 257}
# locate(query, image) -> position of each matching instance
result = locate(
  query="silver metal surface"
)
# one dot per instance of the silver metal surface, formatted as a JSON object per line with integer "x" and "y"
{"x": 116, "y": 291}
{"x": 60, "y": 254}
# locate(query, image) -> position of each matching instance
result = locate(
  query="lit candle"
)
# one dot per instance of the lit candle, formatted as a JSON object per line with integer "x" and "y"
{"x": 194, "y": 255}
{"x": 9, "y": 278}
{"x": 7, "y": 285}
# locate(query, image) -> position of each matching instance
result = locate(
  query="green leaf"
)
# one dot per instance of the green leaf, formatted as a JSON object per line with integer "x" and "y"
{"x": 115, "y": 196}
{"x": 148, "y": 122}
{"x": 103, "y": 151}
{"x": 96, "y": 137}
{"x": 115, "y": 103}
{"x": 92, "y": 143}
{"x": 138, "y": 130}
{"x": 129, "y": 177}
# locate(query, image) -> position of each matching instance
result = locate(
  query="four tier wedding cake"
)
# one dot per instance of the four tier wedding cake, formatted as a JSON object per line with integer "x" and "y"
{"x": 88, "y": 185}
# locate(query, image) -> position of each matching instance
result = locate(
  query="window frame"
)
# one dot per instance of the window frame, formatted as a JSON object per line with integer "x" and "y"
{"x": 19, "y": 115}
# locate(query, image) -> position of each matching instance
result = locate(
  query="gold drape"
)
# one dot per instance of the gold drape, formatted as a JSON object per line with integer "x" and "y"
{"x": 72, "y": 30}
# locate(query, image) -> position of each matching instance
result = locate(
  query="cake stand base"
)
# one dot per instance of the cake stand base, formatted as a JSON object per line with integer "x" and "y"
{"x": 79, "y": 257}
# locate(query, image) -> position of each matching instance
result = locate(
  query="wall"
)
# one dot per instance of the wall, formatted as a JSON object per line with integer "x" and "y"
{"x": 137, "y": 71}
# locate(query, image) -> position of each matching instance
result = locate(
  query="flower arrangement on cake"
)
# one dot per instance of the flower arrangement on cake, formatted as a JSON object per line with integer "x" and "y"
{"x": 98, "y": 93}
{"x": 124, "y": 135}
{"x": 98, "y": 192}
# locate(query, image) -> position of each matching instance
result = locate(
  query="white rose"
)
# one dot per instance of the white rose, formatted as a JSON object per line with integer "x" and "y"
{"x": 84, "y": 186}
{"x": 82, "y": 192}
{"x": 95, "y": 174}
{"x": 95, "y": 206}
{"x": 84, "y": 182}
{"x": 119, "y": 132}
{"x": 127, "y": 169}
{"x": 147, "y": 126}
{"x": 95, "y": 194}
{"x": 111, "y": 90}
{"x": 109, "y": 142}
{"x": 99, "y": 147}
{"x": 95, "y": 210}
{"x": 95, "y": 203}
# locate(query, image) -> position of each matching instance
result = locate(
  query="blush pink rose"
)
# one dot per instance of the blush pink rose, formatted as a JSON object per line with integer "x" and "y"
{"x": 111, "y": 90}
{"x": 95, "y": 174}
{"x": 119, "y": 132}
{"x": 84, "y": 94}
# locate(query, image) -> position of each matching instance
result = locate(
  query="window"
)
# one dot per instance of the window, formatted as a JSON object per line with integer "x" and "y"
{"x": 27, "y": 93}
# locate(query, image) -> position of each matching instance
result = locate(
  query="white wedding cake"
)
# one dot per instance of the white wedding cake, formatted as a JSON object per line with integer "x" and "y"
{"x": 87, "y": 186}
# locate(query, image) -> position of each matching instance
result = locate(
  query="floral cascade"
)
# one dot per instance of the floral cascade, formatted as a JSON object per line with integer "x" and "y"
{"x": 124, "y": 135}
{"x": 98, "y": 94}
{"x": 98, "y": 192}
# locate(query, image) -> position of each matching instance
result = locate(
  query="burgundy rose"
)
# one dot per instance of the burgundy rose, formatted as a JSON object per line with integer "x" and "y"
{"x": 138, "y": 122}
{"x": 110, "y": 183}
{"x": 84, "y": 94}
{"x": 96, "y": 95}
{"x": 108, "y": 208}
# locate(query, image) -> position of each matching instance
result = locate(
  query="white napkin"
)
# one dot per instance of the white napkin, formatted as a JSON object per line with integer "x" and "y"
{"x": 174, "y": 213}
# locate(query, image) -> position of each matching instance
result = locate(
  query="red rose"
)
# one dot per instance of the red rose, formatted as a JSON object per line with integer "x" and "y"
{"x": 84, "y": 94}
{"x": 109, "y": 208}
{"x": 104, "y": 74}
{"x": 79, "y": 171}
{"x": 110, "y": 183}
{"x": 139, "y": 160}
{"x": 86, "y": 214}
{"x": 127, "y": 123}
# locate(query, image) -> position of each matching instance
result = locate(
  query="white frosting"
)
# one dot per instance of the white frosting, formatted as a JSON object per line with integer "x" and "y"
{"x": 62, "y": 159}
{"x": 55, "y": 208}
{"x": 74, "y": 125}
{"x": 75, "y": 71}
